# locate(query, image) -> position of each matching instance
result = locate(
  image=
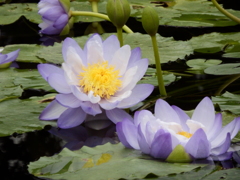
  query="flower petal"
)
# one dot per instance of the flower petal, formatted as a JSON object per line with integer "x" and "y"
{"x": 91, "y": 108}
{"x": 121, "y": 135}
{"x": 139, "y": 93}
{"x": 223, "y": 148}
{"x": 216, "y": 128}
{"x": 144, "y": 146}
{"x": 46, "y": 69}
{"x": 110, "y": 46}
{"x": 72, "y": 117}
{"x": 183, "y": 117}
{"x": 9, "y": 57}
{"x": 162, "y": 145}
{"x": 121, "y": 58}
{"x": 205, "y": 113}
{"x": 198, "y": 145}
{"x": 94, "y": 49}
{"x": 80, "y": 95}
{"x": 136, "y": 55}
{"x": 57, "y": 81}
{"x": 127, "y": 134}
{"x": 232, "y": 128}
{"x": 52, "y": 111}
{"x": 61, "y": 22}
{"x": 117, "y": 115}
{"x": 165, "y": 112}
{"x": 68, "y": 100}
{"x": 72, "y": 44}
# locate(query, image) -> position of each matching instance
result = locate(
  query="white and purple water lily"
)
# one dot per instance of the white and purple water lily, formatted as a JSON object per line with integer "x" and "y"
{"x": 200, "y": 136}
{"x": 100, "y": 77}
{"x": 55, "y": 16}
{"x": 10, "y": 57}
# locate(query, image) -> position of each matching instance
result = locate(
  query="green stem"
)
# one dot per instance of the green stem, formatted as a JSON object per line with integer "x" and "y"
{"x": 158, "y": 67}
{"x": 94, "y": 6}
{"x": 226, "y": 13}
{"x": 99, "y": 15}
{"x": 120, "y": 36}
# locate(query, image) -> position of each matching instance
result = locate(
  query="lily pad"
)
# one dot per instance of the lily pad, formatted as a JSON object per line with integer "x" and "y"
{"x": 12, "y": 12}
{"x": 103, "y": 162}
{"x": 224, "y": 69}
{"x": 198, "y": 65}
{"x": 21, "y": 116}
{"x": 228, "y": 102}
{"x": 14, "y": 81}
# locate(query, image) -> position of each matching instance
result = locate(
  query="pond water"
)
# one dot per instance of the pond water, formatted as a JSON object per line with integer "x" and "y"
{"x": 17, "y": 150}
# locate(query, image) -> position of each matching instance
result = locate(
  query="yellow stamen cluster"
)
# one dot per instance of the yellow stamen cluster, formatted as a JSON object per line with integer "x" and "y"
{"x": 184, "y": 133}
{"x": 101, "y": 78}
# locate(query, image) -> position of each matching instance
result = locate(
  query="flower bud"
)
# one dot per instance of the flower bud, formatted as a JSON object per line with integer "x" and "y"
{"x": 118, "y": 11}
{"x": 150, "y": 20}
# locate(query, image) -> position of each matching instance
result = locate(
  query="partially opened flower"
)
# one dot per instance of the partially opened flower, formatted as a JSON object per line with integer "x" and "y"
{"x": 101, "y": 77}
{"x": 7, "y": 58}
{"x": 171, "y": 135}
{"x": 55, "y": 16}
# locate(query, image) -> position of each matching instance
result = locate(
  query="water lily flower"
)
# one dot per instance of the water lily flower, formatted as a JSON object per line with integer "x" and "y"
{"x": 171, "y": 133}
{"x": 102, "y": 77}
{"x": 55, "y": 16}
{"x": 7, "y": 58}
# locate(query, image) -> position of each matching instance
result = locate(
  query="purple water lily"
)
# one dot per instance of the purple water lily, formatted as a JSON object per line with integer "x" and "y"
{"x": 55, "y": 16}
{"x": 201, "y": 135}
{"x": 10, "y": 57}
{"x": 102, "y": 77}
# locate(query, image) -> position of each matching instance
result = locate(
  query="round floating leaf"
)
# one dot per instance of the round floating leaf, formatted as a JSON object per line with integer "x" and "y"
{"x": 21, "y": 116}
{"x": 229, "y": 174}
{"x": 228, "y": 102}
{"x": 103, "y": 162}
{"x": 198, "y": 65}
{"x": 224, "y": 69}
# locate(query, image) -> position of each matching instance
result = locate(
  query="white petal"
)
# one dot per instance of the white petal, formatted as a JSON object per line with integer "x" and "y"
{"x": 194, "y": 126}
{"x": 121, "y": 58}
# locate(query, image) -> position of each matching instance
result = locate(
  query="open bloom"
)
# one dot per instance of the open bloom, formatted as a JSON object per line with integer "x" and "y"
{"x": 100, "y": 77}
{"x": 10, "y": 57}
{"x": 171, "y": 130}
{"x": 55, "y": 16}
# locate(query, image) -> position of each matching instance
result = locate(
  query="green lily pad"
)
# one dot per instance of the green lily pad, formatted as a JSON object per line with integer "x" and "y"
{"x": 198, "y": 65}
{"x": 12, "y": 12}
{"x": 21, "y": 116}
{"x": 224, "y": 69}
{"x": 215, "y": 42}
{"x": 103, "y": 162}
{"x": 229, "y": 174}
{"x": 14, "y": 81}
{"x": 228, "y": 102}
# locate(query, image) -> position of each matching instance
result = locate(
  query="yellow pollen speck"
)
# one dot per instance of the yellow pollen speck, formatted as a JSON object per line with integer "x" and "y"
{"x": 101, "y": 78}
{"x": 184, "y": 133}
